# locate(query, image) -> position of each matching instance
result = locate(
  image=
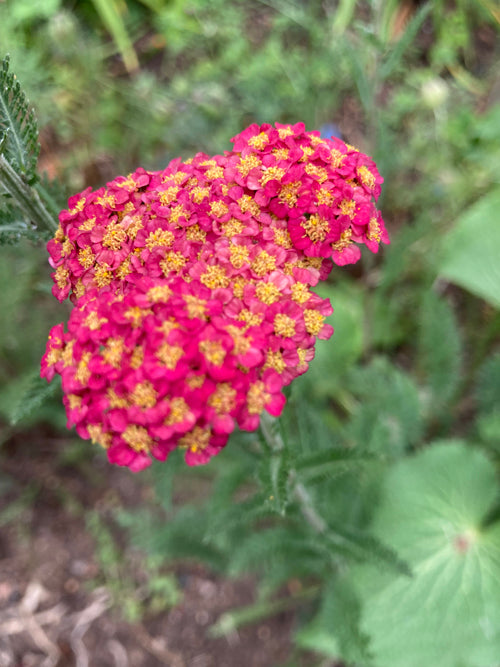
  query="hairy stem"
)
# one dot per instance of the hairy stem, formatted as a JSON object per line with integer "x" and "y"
{"x": 25, "y": 197}
{"x": 270, "y": 431}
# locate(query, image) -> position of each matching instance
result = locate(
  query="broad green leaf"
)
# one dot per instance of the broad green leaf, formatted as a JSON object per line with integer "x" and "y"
{"x": 471, "y": 250}
{"x": 448, "y": 612}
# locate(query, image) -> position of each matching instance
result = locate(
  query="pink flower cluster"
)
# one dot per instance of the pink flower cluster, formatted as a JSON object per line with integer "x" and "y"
{"x": 192, "y": 289}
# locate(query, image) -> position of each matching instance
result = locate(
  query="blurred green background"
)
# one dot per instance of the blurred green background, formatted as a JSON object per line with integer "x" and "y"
{"x": 415, "y": 358}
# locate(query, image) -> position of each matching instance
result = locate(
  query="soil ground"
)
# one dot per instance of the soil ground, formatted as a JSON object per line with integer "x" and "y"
{"x": 57, "y": 609}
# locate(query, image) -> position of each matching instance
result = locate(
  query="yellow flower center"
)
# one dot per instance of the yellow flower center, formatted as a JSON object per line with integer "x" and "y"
{"x": 113, "y": 352}
{"x": 267, "y": 292}
{"x": 248, "y": 163}
{"x": 169, "y": 355}
{"x": 173, "y": 262}
{"x": 213, "y": 351}
{"x": 316, "y": 228}
{"x": 215, "y": 276}
{"x": 263, "y": 263}
{"x": 257, "y": 398}
{"x": 160, "y": 238}
{"x": 238, "y": 255}
{"x": 144, "y": 395}
{"x": 222, "y": 400}
{"x": 137, "y": 437}
{"x": 284, "y": 326}
{"x": 314, "y": 321}
{"x": 259, "y": 142}
{"x": 196, "y": 440}
{"x": 179, "y": 410}
{"x": 114, "y": 237}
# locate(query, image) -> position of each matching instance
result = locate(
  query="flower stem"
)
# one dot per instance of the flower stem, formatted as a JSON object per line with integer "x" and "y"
{"x": 271, "y": 433}
{"x": 26, "y": 197}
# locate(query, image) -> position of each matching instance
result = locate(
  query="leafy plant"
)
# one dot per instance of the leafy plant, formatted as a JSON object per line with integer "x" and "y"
{"x": 18, "y": 157}
{"x": 431, "y": 511}
{"x": 384, "y": 539}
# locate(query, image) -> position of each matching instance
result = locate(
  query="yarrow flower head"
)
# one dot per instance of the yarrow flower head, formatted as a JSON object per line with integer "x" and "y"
{"x": 192, "y": 292}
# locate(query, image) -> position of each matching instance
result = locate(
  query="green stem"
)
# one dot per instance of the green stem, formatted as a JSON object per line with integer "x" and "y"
{"x": 271, "y": 433}
{"x": 47, "y": 198}
{"x": 301, "y": 494}
{"x": 270, "y": 430}
{"x": 26, "y": 198}
{"x": 229, "y": 622}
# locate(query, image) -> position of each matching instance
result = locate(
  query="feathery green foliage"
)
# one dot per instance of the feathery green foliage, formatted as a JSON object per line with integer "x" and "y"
{"x": 18, "y": 126}
{"x": 19, "y": 150}
{"x": 345, "y": 495}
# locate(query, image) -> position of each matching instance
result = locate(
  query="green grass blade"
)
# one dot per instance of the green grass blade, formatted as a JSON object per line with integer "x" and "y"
{"x": 402, "y": 45}
{"x": 111, "y": 16}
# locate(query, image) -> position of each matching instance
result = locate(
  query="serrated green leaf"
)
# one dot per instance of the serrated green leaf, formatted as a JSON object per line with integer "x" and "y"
{"x": 17, "y": 125}
{"x": 448, "y": 613}
{"x": 362, "y": 547}
{"x": 12, "y": 226}
{"x": 163, "y": 478}
{"x": 233, "y": 520}
{"x": 439, "y": 350}
{"x": 53, "y": 193}
{"x": 335, "y": 630}
{"x": 277, "y": 553}
{"x": 329, "y": 463}
{"x": 470, "y": 258}
{"x": 387, "y": 417}
{"x": 180, "y": 536}
{"x": 314, "y": 637}
{"x": 38, "y": 391}
{"x": 274, "y": 471}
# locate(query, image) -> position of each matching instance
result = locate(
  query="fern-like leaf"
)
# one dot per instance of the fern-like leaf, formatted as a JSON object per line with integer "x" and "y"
{"x": 12, "y": 224}
{"x": 53, "y": 193}
{"x": 277, "y": 553}
{"x": 361, "y": 547}
{"x": 36, "y": 394}
{"x": 18, "y": 127}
